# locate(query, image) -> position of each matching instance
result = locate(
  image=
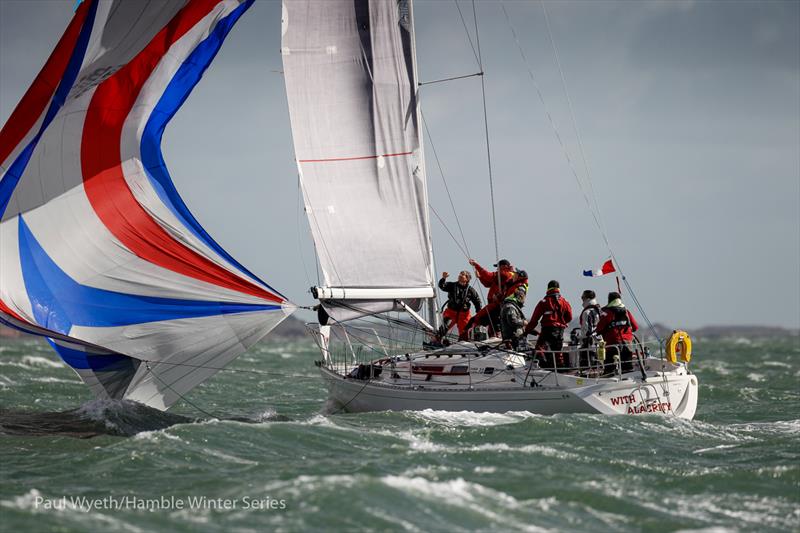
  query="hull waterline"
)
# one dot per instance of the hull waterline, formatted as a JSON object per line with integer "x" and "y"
{"x": 674, "y": 395}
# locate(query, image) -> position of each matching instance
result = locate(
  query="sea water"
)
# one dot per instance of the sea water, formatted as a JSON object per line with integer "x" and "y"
{"x": 255, "y": 450}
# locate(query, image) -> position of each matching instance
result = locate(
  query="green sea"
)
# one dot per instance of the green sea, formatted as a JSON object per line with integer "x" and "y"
{"x": 257, "y": 452}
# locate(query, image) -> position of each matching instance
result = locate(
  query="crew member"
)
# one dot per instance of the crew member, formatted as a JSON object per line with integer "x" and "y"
{"x": 459, "y": 297}
{"x": 555, "y": 314}
{"x": 617, "y": 327}
{"x": 512, "y": 319}
{"x": 498, "y": 284}
{"x": 589, "y": 317}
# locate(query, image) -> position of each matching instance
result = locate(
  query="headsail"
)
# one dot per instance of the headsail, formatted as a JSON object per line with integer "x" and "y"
{"x": 351, "y": 85}
{"x": 98, "y": 251}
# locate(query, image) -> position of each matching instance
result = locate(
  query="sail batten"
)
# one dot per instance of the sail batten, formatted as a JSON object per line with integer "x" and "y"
{"x": 352, "y": 93}
{"x": 98, "y": 251}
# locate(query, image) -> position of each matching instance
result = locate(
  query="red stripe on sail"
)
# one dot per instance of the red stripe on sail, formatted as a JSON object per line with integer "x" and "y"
{"x": 35, "y": 101}
{"x": 352, "y": 158}
{"x": 7, "y": 310}
{"x": 101, "y": 165}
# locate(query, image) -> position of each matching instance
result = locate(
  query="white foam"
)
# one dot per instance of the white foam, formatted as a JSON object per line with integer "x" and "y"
{"x": 156, "y": 435}
{"x": 720, "y": 447}
{"x": 753, "y": 376}
{"x": 713, "y": 529}
{"x": 228, "y": 457}
{"x": 777, "y": 363}
{"x": 301, "y": 486}
{"x": 33, "y": 360}
{"x": 196, "y": 516}
{"x": 48, "y": 379}
{"x": 471, "y": 418}
{"x": 465, "y": 494}
{"x": 26, "y": 501}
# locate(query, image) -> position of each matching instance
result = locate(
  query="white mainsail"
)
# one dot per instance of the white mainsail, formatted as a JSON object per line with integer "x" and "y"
{"x": 349, "y": 67}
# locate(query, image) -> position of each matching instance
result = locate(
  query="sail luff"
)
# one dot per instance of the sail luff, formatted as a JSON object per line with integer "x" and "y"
{"x": 432, "y": 305}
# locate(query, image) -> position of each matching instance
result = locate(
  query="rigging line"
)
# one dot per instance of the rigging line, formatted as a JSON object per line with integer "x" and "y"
{"x": 420, "y": 84}
{"x": 444, "y": 181}
{"x": 468, "y": 254}
{"x": 226, "y": 369}
{"x": 312, "y": 215}
{"x": 342, "y": 408}
{"x": 150, "y": 371}
{"x": 555, "y": 130}
{"x": 439, "y": 218}
{"x": 588, "y": 198}
{"x": 572, "y": 115}
{"x": 593, "y": 194}
{"x": 641, "y": 309}
{"x": 486, "y": 131}
{"x": 466, "y": 30}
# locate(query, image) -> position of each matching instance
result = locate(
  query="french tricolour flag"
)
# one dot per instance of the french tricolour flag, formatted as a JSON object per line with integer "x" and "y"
{"x": 607, "y": 268}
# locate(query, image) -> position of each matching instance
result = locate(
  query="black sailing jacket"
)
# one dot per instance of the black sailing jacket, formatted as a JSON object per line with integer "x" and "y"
{"x": 458, "y": 297}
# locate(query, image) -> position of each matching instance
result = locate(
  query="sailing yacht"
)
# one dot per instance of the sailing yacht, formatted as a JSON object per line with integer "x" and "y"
{"x": 100, "y": 254}
{"x": 353, "y": 92}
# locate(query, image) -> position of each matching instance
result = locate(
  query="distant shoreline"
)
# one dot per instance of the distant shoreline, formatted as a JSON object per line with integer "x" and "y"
{"x": 293, "y": 328}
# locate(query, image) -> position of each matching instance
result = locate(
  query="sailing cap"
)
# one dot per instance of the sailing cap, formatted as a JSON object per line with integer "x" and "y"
{"x": 553, "y": 284}
{"x": 503, "y": 263}
{"x": 588, "y": 294}
{"x": 613, "y": 296}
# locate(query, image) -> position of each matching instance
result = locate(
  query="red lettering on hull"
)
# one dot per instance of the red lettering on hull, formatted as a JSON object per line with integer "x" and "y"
{"x": 655, "y": 407}
{"x": 623, "y": 400}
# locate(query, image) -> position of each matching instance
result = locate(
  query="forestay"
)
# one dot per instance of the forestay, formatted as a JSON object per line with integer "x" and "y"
{"x": 98, "y": 251}
{"x": 351, "y": 84}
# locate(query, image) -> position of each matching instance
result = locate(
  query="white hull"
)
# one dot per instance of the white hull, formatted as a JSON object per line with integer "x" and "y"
{"x": 670, "y": 391}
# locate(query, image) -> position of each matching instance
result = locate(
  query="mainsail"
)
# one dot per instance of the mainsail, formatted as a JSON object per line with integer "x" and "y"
{"x": 98, "y": 252}
{"x": 351, "y": 85}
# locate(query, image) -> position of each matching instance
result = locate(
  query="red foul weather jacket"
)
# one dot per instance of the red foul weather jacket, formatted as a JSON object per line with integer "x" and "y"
{"x": 616, "y": 325}
{"x": 553, "y": 310}
{"x": 497, "y": 292}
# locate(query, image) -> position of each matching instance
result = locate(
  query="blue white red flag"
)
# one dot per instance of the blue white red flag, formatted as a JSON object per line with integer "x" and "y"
{"x": 607, "y": 268}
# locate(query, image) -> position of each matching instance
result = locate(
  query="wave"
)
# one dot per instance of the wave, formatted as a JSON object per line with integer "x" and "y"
{"x": 119, "y": 418}
{"x": 470, "y": 418}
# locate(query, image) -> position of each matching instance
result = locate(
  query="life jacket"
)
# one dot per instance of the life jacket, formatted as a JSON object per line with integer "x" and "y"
{"x": 512, "y": 319}
{"x": 459, "y": 298}
{"x": 620, "y": 320}
{"x": 588, "y": 308}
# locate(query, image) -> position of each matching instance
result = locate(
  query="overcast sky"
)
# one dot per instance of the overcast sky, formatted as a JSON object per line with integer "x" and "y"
{"x": 688, "y": 112}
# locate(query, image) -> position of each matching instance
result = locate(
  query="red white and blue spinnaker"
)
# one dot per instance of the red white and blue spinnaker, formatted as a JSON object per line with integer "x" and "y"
{"x": 98, "y": 252}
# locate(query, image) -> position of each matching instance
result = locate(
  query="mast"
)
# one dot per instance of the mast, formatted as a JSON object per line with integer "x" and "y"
{"x": 433, "y": 314}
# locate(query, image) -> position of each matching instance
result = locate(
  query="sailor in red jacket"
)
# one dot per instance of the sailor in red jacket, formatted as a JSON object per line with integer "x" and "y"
{"x": 497, "y": 288}
{"x": 501, "y": 284}
{"x": 555, "y": 314}
{"x": 617, "y": 326}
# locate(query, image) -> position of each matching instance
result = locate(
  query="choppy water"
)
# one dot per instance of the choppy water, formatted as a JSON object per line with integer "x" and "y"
{"x": 282, "y": 465}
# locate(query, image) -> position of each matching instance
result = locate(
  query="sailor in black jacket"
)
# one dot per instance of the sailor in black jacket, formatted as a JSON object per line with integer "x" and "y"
{"x": 459, "y": 297}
